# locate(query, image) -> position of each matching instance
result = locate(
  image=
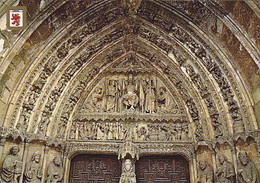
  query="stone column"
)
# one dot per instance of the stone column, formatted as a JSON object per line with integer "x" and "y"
{"x": 66, "y": 164}
{"x": 25, "y": 153}
{"x": 193, "y": 168}
{"x": 44, "y": 162}
{"x": 2, "y": 143}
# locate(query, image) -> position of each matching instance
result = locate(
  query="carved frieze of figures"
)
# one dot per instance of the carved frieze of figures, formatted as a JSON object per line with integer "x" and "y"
{"x": 225, "y": 172}
{"x": 246, "y": 169}
{"x": 33, "y": 170}
{"x": 134, "y": 131}
{"x": 196, "y": 78}
{"x": 138, "y": 94}
{"x": 12, "y": 167}
{"x": 55, "y": 171}
{"x": 205, "y": 172}
{"x": 128, "y": 175}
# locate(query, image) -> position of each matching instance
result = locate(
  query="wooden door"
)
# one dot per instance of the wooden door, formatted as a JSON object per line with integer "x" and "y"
{"x": 95, "y": 169}
{"x": 162, "y": 169}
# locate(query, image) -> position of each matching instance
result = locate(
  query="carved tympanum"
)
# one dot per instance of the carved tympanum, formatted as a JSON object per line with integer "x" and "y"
{"x": 12, "y": 167}
{"x": 124, "y": 93}
{"x": 139, "y": 131}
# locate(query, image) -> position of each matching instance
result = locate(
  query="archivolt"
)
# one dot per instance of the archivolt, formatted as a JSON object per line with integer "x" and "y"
{"x": 77, "y": 52}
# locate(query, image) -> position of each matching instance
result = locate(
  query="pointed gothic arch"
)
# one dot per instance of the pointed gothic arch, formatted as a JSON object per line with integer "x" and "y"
{"x": 71, "y": 47}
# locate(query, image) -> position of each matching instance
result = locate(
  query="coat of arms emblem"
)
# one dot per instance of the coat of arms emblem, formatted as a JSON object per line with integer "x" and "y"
{"x": 16, "y": 17}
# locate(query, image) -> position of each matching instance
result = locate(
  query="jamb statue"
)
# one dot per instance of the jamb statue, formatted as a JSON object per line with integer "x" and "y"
{"x": 247, "y": 172}
{"x": 128, "y": 176}
{"x": 225, "y": 171}
{"x": 55, "y": 171}
{"x": 205, "y": 173}
{"x": 33, "y": 171}
{"x": 12, "y": 167}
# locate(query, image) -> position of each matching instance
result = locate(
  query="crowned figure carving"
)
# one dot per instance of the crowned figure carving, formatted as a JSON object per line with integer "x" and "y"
{"x": 128, "y": 175}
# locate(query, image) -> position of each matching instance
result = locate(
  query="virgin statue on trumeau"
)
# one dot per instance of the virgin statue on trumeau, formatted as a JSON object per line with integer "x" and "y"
{"x": 128, "y": 176}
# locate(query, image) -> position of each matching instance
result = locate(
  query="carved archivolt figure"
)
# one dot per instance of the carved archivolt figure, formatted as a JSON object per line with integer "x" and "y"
{"x": 205, "y": 174}
{"x": 55, "y": 171}
{"x": 225, "y": 171}
{"x": 128, "y": 176}
{"x": 33, "y": 171}
{"x": 12, "y": 167}
{"x": 247, "y": 172}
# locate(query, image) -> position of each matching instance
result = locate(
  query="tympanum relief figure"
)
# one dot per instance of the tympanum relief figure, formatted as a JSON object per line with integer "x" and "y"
{"x": 128, "y": 175}
{"x": 33, "y": 171}
{"x": 96, "y": 103}
{"x": 130, "y": 99}
{"x": 149, "y": 91}
{"x": 205, "y": 173}
{"x": 135, "y": 131}
{"x": 112, "y": 95}
{"x": 130, "y": 93}
{"x": 163, "y": 100}
{"x": 225, "y": 172}
{"x": 246, "y": 169}
{"x": 55, "y": 171}
{"x": 12, "y": 167}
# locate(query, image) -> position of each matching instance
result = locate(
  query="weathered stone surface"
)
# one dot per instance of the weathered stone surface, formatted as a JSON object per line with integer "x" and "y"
{"x": 131, "y": 78}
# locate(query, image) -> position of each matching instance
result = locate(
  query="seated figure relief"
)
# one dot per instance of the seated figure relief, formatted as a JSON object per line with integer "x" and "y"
{"x": 12, "y": 167}
{"x": 96, "y": 103}
{"x": 164, "y": 102}
{"x": 130, "y": 99}
{"x": 128, "y": 93}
